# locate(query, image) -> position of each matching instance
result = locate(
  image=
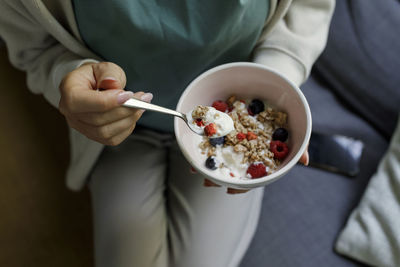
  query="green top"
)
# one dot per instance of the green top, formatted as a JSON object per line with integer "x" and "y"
{"x": 163, "y": 45}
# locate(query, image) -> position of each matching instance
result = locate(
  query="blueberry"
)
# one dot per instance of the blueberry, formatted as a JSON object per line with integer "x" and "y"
{"x": 256, "y": 106}
{"x": 217, "y": 141}
{"x": 280, "y": 134}
{"x": 211, "y": 163}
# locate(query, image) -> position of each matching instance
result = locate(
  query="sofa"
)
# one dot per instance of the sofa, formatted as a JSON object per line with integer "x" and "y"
{"x": 353, "y": 90}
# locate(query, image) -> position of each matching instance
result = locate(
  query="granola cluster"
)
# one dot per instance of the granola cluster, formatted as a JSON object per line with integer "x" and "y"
{"x": 199, "y": 112}
{"x": 252, "y": 134}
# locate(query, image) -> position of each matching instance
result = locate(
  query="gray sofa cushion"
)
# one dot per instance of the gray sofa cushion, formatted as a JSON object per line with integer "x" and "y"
{"x": 361, "y": 62}
{"x": 372, "y": 233}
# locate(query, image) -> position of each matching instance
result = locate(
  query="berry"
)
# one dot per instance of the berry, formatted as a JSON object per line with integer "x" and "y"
{"x": 199, "y": 122}
{"x": 210, "y": 129}
{"x": 220, "y": 105}
{"x": 280, "y": 134}
{"x": 217, "y": 141}
{"x": 231, "y": 174}
{"x": 211, "y": 163}
{"x": 279, "y": 149}
{"x": 257, "y": 170}
{"x": 256, "y": 106}
{"x": 251, "y": 136}
{"x": 250, "y": 112}
{"x": 241, "y": 136}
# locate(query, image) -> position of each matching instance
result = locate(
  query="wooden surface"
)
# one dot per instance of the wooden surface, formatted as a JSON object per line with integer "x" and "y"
{"x": 41, "y": 222}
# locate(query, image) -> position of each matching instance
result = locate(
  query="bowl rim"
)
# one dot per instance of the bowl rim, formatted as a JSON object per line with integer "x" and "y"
{"x": 270, "y": 177}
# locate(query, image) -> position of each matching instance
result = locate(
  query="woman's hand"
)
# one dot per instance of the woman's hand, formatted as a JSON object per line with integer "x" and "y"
{"x": 303, "y": 159}
{"x": 98, "y": 114}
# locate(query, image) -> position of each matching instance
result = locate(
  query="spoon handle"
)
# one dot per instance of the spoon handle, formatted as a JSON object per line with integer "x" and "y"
{"x": 135, "y": 103}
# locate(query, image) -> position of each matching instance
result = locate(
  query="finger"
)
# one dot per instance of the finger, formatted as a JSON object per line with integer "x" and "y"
{"x": 109, "y": 76}
{"x": 91, "y": 133}
{"x": 108, "y": 131}
{"x": 77, "y": 125}
{"x": 208, "y": 183}
{"x": 78, "y": 92}
{"x": 304, "y": 158}
{"x": 236, "y": 191}
{"x": 103, "y": 118}
{"x": 119, "y": 138}
{"x": 105, "y": 133}
{"x": 118, "y": 113}
{"x": 80, "y": 100}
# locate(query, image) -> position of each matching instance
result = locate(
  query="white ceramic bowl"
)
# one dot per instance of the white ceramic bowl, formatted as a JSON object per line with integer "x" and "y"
{"x": 247, "y": 81}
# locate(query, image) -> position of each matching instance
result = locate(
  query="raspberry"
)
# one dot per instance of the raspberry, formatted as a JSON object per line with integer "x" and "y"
{"x": 251, "y": 136}
{"x": 220, "y": 105}
{"x": 241, "y": 136}
{"x": 210, "y": 129}
{"x": 257, "y": 170}
{"x": 279, "y": 149}
{"x": 199, "y": 122}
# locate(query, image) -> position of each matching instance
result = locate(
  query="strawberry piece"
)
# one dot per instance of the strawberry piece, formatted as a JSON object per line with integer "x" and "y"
{"x": 280, "y": 149}
{"x": 241, "y": 136}
{"x": 220, "y": 105}
{"x": 231, "y": 174}
{"x": 210, "y": 129}
{"x": 199, "y": 122}
{"x": 251, "y": 136}
{"x": 257, "y": 170}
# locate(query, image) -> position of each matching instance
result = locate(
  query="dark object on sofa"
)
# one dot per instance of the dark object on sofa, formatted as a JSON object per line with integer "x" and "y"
{"x": 354, "y": 91}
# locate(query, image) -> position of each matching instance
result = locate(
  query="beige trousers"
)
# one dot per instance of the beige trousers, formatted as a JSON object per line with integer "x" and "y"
{"x": 149, "y": 210}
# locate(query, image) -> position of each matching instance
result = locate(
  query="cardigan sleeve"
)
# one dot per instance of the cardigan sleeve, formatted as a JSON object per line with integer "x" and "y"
{"x": 33, "y": 50}
{"x": 297, "y": 39}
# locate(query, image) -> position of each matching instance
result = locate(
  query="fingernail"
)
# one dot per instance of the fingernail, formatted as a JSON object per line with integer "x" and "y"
{"x": 109, "y": 79}
{"x": 147, "y": 97}
{"x": 124, "y": 96}
{"x": 307, "y": 160}
{"x": 193, "y": 170}
{"x": 235, "y": 191}
{"x": 231, "y": 191}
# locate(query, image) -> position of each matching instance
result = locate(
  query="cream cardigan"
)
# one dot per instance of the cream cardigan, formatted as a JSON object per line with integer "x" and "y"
{"x": 42, "y": 38}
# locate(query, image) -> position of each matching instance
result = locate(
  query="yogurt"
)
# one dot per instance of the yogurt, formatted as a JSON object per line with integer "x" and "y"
{"x": 202, "y": 116}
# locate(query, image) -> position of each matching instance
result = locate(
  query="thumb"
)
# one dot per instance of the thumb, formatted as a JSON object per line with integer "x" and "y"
{"x": 109, "y": 76}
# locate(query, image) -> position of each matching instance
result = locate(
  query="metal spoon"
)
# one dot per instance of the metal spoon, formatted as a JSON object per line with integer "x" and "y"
{"x": 139, "y": 104}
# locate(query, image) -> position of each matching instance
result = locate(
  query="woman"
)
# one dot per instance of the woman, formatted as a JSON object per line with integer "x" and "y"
{"x": 146, "y": 210}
